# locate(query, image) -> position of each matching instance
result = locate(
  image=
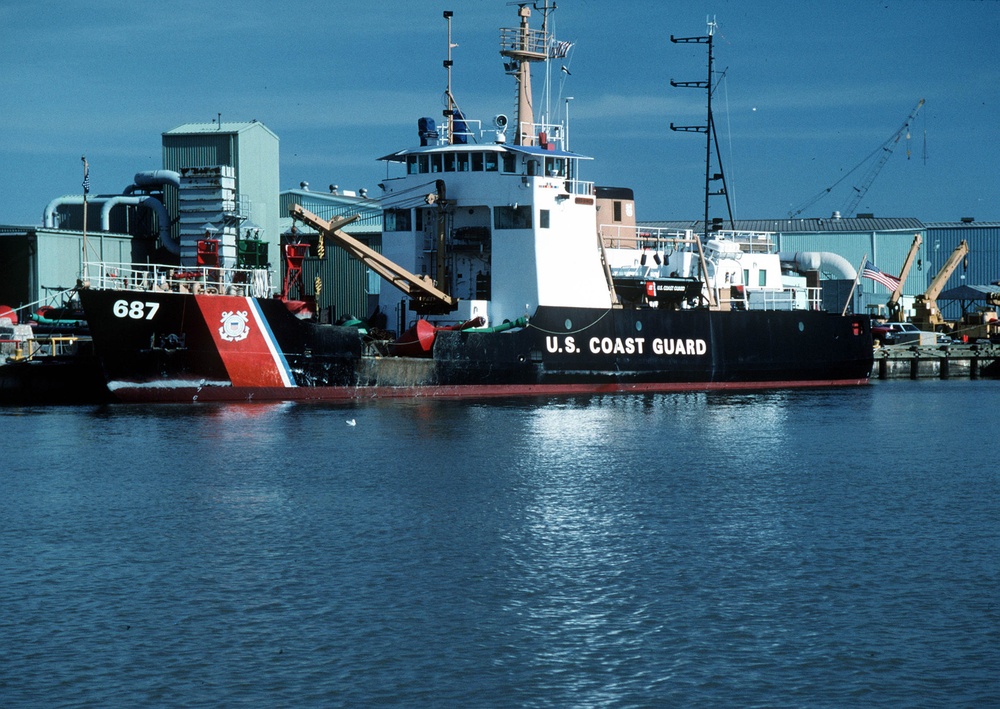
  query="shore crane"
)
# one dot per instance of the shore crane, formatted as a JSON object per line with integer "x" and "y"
{"x": 926, "y": 314}
{"x": 893, "y": 305}
{"x": 886, "y": 149}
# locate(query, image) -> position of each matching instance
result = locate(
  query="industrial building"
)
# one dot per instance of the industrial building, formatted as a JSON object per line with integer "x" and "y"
{"x": 219, "y": 184}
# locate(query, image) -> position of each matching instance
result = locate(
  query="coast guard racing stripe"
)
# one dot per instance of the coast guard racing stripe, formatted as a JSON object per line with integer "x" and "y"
{"x": 245, "y": 342}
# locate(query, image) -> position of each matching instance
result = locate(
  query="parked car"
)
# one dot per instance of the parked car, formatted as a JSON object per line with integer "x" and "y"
{"x": 899, "y": 333}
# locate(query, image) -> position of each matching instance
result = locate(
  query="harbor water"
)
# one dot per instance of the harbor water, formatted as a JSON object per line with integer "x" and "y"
{"x": 821, "y": 548}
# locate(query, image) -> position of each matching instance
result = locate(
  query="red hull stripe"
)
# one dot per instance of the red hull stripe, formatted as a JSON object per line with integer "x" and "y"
{"x": 245, "y": 342}
{"x": 237, "y": 393}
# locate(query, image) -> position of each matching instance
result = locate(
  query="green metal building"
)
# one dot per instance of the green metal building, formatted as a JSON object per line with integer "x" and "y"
{"x": 347, "y": 287}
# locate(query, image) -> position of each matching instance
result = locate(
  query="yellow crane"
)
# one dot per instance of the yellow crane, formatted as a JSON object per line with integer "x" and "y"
{"x": 926, "y": 315}
{"x": 892, "y": 305}
{"x": 427, "y": 297}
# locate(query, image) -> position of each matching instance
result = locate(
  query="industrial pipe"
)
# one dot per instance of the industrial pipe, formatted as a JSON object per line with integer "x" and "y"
{"x": 825, "y": 261}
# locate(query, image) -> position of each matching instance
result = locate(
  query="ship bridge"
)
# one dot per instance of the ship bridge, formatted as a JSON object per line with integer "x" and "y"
{"x": 515, "y": 160}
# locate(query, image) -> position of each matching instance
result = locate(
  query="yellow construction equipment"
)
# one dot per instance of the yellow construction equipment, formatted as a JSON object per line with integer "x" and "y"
{"x": 926, "y": 315}
{"x": 892, "y": 306}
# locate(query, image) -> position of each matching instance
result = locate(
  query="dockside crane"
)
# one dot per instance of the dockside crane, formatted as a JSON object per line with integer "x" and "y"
{"x": 892, "y": 305}
{"x": 886, "y": 149}
{"x": 926, "y": 315}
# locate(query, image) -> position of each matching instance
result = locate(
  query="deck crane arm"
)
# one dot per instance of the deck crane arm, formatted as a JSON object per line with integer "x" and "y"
{"x": 427, "y": 297}
{"x": 926, "y": 314}
{"x": 892, "y": 305}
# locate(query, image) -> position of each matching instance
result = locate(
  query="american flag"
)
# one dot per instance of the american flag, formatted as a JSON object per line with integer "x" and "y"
{"x": 86, "y": 176}
{"x": 870, "y": 271}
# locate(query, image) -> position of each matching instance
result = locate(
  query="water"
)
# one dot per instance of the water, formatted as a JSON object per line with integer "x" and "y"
{"x": 815, "y": 548}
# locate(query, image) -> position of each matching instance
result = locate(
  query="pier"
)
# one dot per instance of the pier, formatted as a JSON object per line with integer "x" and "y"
{"x": 955, "y": 361}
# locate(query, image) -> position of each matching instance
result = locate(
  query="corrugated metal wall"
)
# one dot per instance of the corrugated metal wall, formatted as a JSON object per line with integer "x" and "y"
{"x": 345, "y": 284}
{"x": 252, "y": 150}
{"x": 983, "y": 259}
{"x": 35, "y": 260}
{"x": 185, "y": 150}
{"x": 886, "y": 249}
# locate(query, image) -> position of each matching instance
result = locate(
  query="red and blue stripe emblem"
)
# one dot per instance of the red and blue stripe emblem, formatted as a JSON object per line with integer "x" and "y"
{"x": 245, "y": 341}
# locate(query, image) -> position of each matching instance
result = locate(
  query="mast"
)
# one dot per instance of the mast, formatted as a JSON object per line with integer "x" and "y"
{"x": 86, "y": 191}
{"x": 523, "y": 45}
{"x": 450, "y": 111}
{"x": 708, "y": 129}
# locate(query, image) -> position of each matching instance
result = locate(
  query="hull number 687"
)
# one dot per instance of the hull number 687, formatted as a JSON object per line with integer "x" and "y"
{"x": 136, "y": 309}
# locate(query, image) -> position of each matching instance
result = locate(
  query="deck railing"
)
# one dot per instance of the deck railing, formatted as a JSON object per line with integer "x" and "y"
{"x": 618, "y": 236}
{"x": 255, "y": 282}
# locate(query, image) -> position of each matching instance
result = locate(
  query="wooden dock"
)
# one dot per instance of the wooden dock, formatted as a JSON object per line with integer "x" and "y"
{"x": 956, "y": 361}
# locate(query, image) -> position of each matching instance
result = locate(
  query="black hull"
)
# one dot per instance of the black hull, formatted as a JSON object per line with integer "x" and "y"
{"x": 181, "y": 347}
{"x": 63, "y": 379}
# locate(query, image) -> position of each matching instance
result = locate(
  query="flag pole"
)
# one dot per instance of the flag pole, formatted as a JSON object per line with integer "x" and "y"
{"x": 857, "y": 277}
{"x": 86, "y": 191}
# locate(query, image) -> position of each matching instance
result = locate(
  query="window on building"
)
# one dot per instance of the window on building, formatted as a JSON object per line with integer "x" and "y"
{"x": 517, "y": 217}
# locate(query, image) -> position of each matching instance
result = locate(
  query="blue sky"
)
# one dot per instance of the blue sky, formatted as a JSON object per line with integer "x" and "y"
{"x": 811, "y": 88}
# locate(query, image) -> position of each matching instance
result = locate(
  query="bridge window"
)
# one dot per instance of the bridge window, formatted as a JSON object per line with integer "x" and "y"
{"x": 422, "y": 160}
{"x": 491, "y": 162}
{"x": 555, "y": 167}
{"x": 449, "y": 162}
{"x": 477, "y": 162}
{"x": 411, "y": 165}
{"x": 516, "y": 217}
{"x": 436, "y": 162}
{"x": 463, "y": 162}
{"x": 397, "y": 220}
{"x": 509, "y": 162}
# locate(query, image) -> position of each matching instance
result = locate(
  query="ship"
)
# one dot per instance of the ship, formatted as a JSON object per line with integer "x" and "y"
{"x": 499, "y": 278}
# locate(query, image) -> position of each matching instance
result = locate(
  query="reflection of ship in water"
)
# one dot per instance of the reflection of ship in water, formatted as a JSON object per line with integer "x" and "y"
{"x": 500, "y": 279}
